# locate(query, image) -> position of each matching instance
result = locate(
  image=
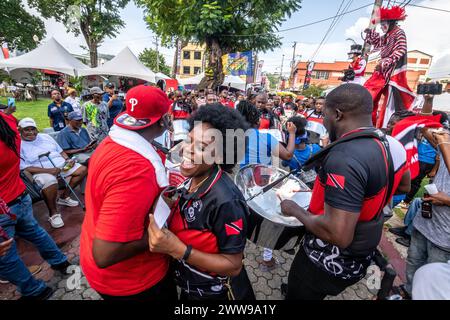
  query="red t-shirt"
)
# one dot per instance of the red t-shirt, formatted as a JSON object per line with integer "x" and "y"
{"x": 11, "y": 186}
{"x": 120, "y": 190}
{"x": 227, "y": 103}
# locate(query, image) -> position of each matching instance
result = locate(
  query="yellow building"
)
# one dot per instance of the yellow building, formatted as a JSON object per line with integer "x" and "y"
{"x": 192, "y": 60}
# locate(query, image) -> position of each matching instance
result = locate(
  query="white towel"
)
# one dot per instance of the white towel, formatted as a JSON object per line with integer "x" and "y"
{"x": 134, "y": 141}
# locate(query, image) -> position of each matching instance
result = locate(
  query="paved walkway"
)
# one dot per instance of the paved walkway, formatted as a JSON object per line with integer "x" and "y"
{"x": 265, "y": 284}
{"x": 75, "y": 287}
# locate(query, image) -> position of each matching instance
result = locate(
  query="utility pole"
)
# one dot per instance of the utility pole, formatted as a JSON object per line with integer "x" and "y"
{"x": 291, "y": 80}
{"x": 376, "y": 7}
{"x": 281, "y": 71}
{"x": 157, "y": 53}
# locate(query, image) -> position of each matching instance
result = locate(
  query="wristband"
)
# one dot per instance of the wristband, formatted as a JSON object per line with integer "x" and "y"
{"x": 187, "y": 253}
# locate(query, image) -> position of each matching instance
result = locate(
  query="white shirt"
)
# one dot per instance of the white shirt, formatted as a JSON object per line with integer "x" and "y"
{"x": 432, "y": 282}
{"x": 30, "y": 151}
{"x": 74, "y": 102}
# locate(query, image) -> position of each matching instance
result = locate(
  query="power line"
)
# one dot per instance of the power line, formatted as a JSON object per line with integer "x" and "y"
{"x": 349, "y": 3}
{"x": 300, "y": 26}
{"x": 327, "y": 32}
{"x": 425, "y": 7}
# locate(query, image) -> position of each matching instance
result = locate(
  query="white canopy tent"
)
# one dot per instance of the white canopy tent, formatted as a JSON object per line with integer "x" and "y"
{"x": 232, "y": 81}
{"x": 160, "y": 76}
{"x": 125, "y": 64}
{"x": 192, "y": 80}
{"x": 50, "y": 55}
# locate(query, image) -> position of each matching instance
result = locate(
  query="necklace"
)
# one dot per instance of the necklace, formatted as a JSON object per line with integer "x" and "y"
{"x": 191, "y": 189}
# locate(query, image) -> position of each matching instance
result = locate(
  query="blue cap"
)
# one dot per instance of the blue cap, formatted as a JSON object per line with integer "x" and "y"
{"x": 75, "y": 115}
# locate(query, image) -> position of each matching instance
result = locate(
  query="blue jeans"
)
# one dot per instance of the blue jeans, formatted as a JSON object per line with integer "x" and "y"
{"x": 25, "y": 226}
{"x": 414, "y": 208}
{"x": 421, "y": 251}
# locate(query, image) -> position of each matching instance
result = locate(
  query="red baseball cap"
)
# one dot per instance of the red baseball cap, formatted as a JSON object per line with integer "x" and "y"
{"x": 144, "y": 106}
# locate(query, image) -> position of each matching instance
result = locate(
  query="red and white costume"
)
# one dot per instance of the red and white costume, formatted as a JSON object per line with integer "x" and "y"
{"x": 390, "y": 81}
{"x": 359, "y": 67}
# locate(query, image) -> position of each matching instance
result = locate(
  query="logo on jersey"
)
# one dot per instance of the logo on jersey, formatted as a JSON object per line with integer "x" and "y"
{"x": 191, "y": 212}
{"x": 234, "y": 228}
{"x": 336, "y": 181}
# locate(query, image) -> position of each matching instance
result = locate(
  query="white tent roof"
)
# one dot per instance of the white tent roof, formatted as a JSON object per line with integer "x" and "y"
{"x": 50, "y": 55}
{"x": 160, "y": 75}
{"x": 232, "y": 81}
{"x": 442, "y": 102}
{"x": 125, "y": 64}
{"x": 192, "y": 80}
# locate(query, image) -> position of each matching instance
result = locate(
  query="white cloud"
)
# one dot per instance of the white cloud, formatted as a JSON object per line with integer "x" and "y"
{"x": 354, "y": 32}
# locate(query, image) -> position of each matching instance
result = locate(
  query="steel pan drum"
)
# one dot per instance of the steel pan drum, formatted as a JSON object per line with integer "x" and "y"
{"x": 267, "y": 226}
{"x": 180, "y": 129}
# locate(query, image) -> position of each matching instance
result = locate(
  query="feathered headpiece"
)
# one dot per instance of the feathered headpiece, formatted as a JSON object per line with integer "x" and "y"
{"x": 393, "y": 13}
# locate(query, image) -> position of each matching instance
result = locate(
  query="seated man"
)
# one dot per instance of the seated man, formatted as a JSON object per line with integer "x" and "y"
{"x": 36, "y": 151}
{"x": 74, "y": 139}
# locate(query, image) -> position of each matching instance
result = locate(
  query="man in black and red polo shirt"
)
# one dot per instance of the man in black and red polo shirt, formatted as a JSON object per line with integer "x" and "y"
{"x": 356, "y": 178}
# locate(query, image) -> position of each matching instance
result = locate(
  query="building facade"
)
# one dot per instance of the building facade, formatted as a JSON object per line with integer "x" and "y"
{"x": 192, "y": 60}
{"x": 327, "y": 74}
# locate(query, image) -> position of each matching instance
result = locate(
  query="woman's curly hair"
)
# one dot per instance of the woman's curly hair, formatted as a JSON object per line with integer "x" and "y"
{"x": 222, "y": 118}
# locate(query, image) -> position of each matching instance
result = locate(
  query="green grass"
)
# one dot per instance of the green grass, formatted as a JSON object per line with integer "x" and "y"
{"x": 33, "y": 109}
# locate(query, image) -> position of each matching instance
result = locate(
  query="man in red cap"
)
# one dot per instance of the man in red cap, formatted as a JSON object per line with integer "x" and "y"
{"x": 125, "y": 177}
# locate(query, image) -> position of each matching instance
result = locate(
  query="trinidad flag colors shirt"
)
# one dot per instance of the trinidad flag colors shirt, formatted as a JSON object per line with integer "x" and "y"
{"x": 352, "y": 177}
{"x": 212, "y": 220}
{"x": 405, "y": 132}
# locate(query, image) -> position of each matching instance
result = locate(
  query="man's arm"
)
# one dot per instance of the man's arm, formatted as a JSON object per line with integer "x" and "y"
{"x": 107, "y": 253}
{"x": 335, "y": 226}
{"x": 427, "y": 108}
{"x": 288, "y": 152}
{"x": 443, "y": 141}
{"x": 405, "y": 184}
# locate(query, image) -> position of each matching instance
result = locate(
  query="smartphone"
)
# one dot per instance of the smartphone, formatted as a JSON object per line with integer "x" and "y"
{"x": 429, "y": 88}
{"x": 11, "y": 102}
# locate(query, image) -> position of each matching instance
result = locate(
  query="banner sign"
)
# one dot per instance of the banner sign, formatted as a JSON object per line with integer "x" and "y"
{"x": 309, "y": 69}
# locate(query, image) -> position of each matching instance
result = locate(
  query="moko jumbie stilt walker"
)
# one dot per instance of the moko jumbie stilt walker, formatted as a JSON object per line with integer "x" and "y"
{"x": 389, "y": 79}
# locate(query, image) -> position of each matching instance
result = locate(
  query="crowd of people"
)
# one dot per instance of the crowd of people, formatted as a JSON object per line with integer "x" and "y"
{"x": 106, "y": 144}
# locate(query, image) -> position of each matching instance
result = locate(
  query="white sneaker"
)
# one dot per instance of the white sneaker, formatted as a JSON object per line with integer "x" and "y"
{"x": 56, "y": 221}
{"x": 68, "y": 202}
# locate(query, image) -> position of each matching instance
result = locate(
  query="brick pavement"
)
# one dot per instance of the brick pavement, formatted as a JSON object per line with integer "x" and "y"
{"x": 265, "y": 284}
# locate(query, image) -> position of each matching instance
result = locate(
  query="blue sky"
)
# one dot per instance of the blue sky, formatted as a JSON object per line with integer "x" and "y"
{"x": 422, "y": 35}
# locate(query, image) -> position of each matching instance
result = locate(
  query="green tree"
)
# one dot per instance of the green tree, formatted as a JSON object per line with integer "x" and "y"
{"x": 94, "y": 19}
{"x": 273, "y": 79}
{"x": 148, "y": 58}
{"x": 224, "y": 26}
{"x": 17, "y": 26}
{"x": 313, "y": 91}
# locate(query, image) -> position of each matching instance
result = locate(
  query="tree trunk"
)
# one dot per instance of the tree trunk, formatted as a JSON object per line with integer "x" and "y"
{"x": 92, "y": 44}
{"x": 214, "y": 70}
{"x": 93, "y": 54}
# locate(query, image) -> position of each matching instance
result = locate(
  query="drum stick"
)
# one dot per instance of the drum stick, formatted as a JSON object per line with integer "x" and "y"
{"x": 272, "y": 185}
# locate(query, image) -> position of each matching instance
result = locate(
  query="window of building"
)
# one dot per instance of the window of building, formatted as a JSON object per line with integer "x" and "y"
{"x": 320, "y": 75}
{"x": 424, "y": 61}
{"x": 187, "y": 70}
{"x": 197, "y": 70}
{"x": 412, "y": 60}
{"x": 197, "y": 55}
{"x": 186, "y": 54}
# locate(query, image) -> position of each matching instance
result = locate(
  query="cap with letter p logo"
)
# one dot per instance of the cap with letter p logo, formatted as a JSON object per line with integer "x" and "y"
{"x": 144, "y": 106}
